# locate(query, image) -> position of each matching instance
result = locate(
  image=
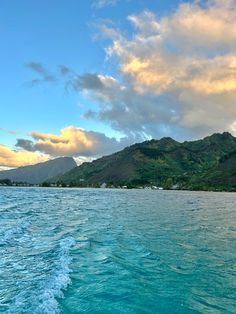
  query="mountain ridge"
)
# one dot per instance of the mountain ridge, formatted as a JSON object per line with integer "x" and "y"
{"x": 38, "y": 173}
{"x": 163, "y": 162}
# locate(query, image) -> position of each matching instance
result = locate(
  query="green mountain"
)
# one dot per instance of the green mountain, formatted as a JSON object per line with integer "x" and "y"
{"x": 40, "y": 172}
{"x": 163, "y": 162}
{"x": 220, "y": 177}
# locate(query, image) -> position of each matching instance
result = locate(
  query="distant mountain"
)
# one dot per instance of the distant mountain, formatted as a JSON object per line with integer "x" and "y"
{"x": 40, "y": 172}
{"x": 163, "y": 162}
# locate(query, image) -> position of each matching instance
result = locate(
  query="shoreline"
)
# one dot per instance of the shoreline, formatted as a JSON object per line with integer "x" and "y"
{"x": 114, "y": 188}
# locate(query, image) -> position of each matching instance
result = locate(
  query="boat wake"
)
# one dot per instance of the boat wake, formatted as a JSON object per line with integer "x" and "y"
{"x": 58, "y": 281}
{"x": 44, "y": 300}
{"x": 11, "y": 234}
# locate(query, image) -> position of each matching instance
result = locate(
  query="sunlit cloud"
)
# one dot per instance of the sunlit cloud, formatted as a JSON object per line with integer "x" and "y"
{"x": 177, "y": 77}
{"x": 13, "y": 158}
{"x": 72, "y": 141}
{"x": 181, "y": 67}
{"x": 75, "y": 142}
{"x": 193, "y": 48}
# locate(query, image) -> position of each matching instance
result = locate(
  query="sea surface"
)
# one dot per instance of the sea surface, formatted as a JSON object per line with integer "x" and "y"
{"x": 117, "y": 251}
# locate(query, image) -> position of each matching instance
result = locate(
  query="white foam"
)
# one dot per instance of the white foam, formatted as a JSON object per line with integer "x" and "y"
{"x": 44, "y": 300}
{"x": 58, "y": 281}
{"x": 13, "y": 232}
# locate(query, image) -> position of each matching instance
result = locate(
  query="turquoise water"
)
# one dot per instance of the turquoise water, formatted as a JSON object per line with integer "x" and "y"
{"x": 117, "y": 251}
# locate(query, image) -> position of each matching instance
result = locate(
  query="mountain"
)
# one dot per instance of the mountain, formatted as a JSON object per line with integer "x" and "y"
{"x": 163, "y": 162}
{"x": 220, "y": 177}
{"x": 40, "y": 172}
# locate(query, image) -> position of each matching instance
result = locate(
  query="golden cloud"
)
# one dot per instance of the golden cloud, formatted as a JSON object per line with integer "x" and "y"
{"x": 12, "y": 158}
{"x": 193, "y": 48}
{"x": 188, "y": 56}
{"x": 71, "y": 141}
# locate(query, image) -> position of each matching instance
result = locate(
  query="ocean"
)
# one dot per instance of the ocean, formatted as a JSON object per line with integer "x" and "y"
{"x": 117, "y": 251}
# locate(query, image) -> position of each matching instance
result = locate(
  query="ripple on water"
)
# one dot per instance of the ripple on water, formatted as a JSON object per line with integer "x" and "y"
{"x": 43, "y": 300}
{"x": 14, "y": 232}
{"x": 130, "y": 251}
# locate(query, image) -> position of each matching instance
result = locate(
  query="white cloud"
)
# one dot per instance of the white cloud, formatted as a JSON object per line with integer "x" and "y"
{"x": 179, "y": 72}
{"x": 233, "y": 128}
{"x": 103, "y": 3}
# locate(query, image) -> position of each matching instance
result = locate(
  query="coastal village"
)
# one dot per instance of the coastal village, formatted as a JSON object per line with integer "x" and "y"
{"x": 59, "y": 185}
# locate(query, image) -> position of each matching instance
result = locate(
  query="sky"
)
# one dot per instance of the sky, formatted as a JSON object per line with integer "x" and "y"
{"x": 87, "y": 78}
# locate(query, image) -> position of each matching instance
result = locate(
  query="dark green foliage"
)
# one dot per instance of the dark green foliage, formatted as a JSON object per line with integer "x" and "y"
{"x": 221, "y": 177}
{"x": 168, "y": 183}
{"x": 205, "y": 164}
{"x": 6, "y": 182}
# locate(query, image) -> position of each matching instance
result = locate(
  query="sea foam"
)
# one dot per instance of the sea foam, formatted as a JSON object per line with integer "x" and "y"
{"x": 58, "y": 281}
{"x": 44, "y": 300}
{"x": 11, "y": 234}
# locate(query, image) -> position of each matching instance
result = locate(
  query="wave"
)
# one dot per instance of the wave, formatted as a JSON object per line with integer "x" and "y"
{"x": 10, "y": 234}
{"x": 43, "y": 300}
{"x": 58, "y": 282}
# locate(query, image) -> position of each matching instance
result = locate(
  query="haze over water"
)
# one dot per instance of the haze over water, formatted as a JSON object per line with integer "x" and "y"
{"x": 117, "y": 251}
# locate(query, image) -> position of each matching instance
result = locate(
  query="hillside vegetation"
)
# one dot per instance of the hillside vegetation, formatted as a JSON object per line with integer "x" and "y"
{"x": 208, "y": 164}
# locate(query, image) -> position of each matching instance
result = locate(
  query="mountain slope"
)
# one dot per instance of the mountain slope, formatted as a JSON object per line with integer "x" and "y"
{"x": 39, "y": 172}
{"x": 160, "y": 162}
{"x": 220, "y": 177}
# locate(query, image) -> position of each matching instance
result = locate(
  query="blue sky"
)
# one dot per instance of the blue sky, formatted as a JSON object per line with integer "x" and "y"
{"x": 52, "y": 33}
{"x": 130, "y": 101}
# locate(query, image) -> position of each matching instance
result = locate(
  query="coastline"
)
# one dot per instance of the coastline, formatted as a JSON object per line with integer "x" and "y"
{"x": 116, "y": 188}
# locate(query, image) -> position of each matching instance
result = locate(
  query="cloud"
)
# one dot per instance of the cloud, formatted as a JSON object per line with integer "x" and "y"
{"x": 5, "y": 168}
{"x": 11, "y": 132}
{"x": 83, "y": 145}
{"x": 121, "y": 106}
{"x": 43, "y": 73}
{"x": 86, "y": 81}
{"x": 13, "y": 158}
{"x": 74, "y": 142}
{"x": 178, "y": 73}
{"x": 25, "y": 144}
{"x": 190, "y": 49}
{"x": 177, "y": 77}
{"x": 81, "y": 159}
{"x": 64, "y": 70}
{"x": 105, "y": 28}
{"x": 103, "y": 3}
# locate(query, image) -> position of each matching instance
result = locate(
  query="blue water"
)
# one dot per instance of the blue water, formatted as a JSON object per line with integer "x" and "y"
{"x": 117, "y": 251}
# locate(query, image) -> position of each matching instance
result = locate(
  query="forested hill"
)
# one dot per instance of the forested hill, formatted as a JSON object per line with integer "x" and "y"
{"x": 201, "y": 164}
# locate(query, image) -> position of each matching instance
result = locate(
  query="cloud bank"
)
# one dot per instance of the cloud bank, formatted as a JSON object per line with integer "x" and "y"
{"x": 74, "y": 142}
{"x": 11, "y": 158}
{"x": 178, "y": 73}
